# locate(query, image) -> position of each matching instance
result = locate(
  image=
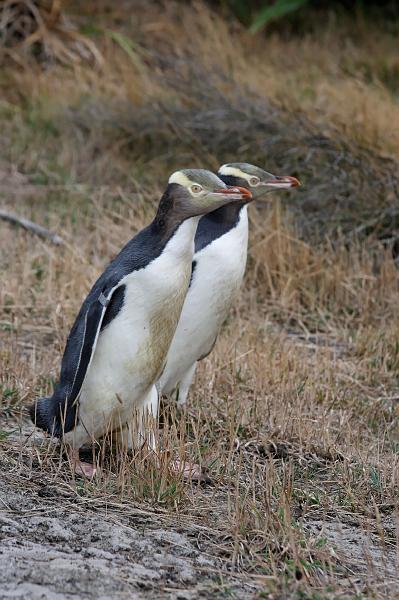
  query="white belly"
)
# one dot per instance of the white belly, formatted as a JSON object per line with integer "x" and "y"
{"x": 217, "y": 278}
{"x": 132, "y": 349}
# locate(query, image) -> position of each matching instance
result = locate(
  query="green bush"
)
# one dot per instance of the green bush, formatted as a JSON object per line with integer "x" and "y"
{"x": 257, "y": 14}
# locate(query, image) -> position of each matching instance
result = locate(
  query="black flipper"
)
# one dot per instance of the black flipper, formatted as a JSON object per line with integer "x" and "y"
{"x": 57, "y": 414}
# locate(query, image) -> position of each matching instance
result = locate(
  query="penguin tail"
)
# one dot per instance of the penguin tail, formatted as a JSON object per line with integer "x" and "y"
{"x": 41, "y": 414}
{"x": 53, "y": 415}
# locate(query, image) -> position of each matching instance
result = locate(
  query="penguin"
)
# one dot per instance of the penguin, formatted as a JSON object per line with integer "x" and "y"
{"x": 118, "y": 344}
{"x": 220, "y": 257}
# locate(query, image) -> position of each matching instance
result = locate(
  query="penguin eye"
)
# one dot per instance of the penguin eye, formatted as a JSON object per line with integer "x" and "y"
{"x": 196, "y": 188}
{"x": 254, "y": 181}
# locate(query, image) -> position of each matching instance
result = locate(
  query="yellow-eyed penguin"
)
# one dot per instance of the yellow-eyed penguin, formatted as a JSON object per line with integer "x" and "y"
{"x": 220, "y": 257}
{"x": 118, "y": 344}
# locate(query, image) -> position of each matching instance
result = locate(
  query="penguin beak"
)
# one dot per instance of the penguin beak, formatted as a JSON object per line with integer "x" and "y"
{"x": 280, "y": 182}
{"x": 234, "y": 193}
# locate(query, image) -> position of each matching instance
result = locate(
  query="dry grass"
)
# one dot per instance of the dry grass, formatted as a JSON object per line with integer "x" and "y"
{"x": 295, "y": 412}
{"x": 39, "y": 28}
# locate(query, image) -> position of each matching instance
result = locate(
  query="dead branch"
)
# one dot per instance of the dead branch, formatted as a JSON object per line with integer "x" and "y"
{"x": 33, "y": 227}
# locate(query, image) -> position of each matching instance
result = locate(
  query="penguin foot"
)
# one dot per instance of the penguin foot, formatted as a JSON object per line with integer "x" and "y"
{"x": 190, "y": 472}
{"x": 85, "y": 469}
{"x": 80, "y": 467}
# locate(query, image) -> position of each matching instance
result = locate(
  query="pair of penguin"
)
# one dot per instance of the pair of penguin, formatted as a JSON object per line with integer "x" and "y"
{"x": 156, "y": 310}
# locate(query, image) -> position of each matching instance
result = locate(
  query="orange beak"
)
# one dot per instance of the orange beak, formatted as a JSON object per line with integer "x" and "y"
{"x": 282, "y": 182}
{"x": 239, "y": 193}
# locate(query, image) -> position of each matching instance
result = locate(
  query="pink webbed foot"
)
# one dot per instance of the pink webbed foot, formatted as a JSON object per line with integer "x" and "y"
{"x": 190, "y": 471}
{"x": 80, "y": 467}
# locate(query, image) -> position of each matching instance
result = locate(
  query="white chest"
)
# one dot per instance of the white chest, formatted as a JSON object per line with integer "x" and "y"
{"x": 218, "y": 274}
{"x": 220, "y": 267}
{"x": 132, "y": 349}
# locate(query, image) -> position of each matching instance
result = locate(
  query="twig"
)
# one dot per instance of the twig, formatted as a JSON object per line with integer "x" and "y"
{"x": 30, "y": 226}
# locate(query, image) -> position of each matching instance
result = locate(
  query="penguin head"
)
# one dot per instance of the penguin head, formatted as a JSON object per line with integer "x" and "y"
{"x": 255, "y": 179}
{"x": 197, "y": 192}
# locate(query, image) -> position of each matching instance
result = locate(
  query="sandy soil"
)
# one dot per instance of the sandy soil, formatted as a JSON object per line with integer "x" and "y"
{"x": 51, "y": 550}
{"x": 55, "y": 545}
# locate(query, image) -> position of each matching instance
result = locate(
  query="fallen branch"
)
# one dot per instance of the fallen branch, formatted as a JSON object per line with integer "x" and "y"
{"x": 30, "y": 226}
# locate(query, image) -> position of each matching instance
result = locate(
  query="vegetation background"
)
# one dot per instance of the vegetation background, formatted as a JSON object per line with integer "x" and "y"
{"x": 295, "y": 412}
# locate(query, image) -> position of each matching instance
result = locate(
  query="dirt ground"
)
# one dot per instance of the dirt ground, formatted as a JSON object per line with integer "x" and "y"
{"x": 52, "y": 549}
{"x": 57, "y": 542}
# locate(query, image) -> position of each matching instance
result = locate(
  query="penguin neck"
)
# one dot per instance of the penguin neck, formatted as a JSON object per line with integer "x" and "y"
{"x": 181, "y": 241}
{"x": 216, "y": 224}
{"x": 228, "y": 214}
{"x": 168, "y": 224}
{"x": 168, "y": 218}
